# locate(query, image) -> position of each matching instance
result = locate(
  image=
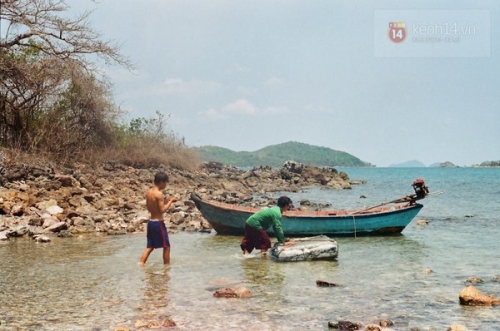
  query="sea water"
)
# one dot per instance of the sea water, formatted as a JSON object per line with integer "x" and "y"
{"x": 413, "y": 279}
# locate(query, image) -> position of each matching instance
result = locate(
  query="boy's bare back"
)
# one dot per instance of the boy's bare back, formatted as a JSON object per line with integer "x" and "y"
{"x": 154, "y": 203}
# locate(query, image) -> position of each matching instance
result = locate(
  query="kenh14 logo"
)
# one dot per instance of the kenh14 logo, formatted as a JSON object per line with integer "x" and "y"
{"x": 397, "y": 31}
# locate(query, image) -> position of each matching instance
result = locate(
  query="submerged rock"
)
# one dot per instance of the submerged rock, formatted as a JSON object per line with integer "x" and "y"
{"x": 474, "y": 280}
{"x": 471, "y": 296}
{"x": 322, "y": 283}
{"x": 384, "y": 323}
{"x": 345, "y": 325}
{"x": 233, "y": 292}
{"x": 457, "y": 327}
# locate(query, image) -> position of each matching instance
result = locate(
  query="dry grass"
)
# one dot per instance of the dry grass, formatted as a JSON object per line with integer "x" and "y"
{"x": 138, "y": 155}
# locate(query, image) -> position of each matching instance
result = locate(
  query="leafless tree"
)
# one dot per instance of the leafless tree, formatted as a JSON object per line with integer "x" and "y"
{"x": 51, "y": 93}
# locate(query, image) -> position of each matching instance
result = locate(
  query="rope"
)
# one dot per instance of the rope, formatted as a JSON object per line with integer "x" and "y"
{"x": 354, "y": 222}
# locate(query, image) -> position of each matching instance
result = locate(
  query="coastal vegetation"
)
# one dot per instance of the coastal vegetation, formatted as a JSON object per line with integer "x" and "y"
{"x": 56, "y": 103}
{"x": 276, "y": 155}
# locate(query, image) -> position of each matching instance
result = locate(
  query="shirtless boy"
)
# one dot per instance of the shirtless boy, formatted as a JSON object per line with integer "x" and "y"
{"x": 157, "y": 205}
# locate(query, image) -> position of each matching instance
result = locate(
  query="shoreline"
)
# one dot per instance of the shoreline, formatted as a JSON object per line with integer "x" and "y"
{"x": 40, "y": 201}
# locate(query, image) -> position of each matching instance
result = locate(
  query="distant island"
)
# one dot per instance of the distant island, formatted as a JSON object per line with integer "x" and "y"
{"x": 490, "y": 164}
{"x": 408, "y": 164}
{"x": 276, "y": 155}
{"x": 418, "y": 164}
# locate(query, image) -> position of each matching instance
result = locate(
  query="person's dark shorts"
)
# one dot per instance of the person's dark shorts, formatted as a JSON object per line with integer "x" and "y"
{"x": 255, "y": 238}
{"x": 157, "y": 235}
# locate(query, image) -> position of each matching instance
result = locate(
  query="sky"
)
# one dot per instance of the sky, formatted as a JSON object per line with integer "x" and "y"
{"x": 248, "y": 74}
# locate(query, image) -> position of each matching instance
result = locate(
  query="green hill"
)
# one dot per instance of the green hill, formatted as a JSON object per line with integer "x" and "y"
{"x": 276, "y": 155}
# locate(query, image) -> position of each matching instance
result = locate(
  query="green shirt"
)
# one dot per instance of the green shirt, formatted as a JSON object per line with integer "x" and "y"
{"x": 264, "y": 218}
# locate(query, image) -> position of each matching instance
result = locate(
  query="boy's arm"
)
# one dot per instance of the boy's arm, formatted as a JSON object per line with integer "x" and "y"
{"x": 166, "y": 203}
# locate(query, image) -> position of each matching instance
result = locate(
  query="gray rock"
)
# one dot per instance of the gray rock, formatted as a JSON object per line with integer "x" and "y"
{"x": 4, "y": 235}
{"x": 57, "y": 227}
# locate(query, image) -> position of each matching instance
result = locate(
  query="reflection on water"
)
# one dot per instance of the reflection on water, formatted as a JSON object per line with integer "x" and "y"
{"x": 95, "y": 283}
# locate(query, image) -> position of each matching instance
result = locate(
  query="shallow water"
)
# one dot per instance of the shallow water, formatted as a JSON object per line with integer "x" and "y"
{"x": 94, "y": 283}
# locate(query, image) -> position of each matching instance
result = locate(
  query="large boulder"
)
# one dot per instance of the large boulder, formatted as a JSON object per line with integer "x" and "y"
{"x": 471, "y": 296}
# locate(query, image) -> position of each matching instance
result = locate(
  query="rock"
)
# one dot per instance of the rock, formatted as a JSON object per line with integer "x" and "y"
{"x": 385, "y": 323}
{"x": 168, "y": 322}
{"x": 322, "y": 283}
{"x": 121, "y": 328}
{"x": 3, "y": 236}
{"x": 496, "y": 278}
{"x": 457, "y": 327}
{"x": 233, "y": 292}
{"x": 140, "y": 324}
{"x": 18, "y": 231}
{"x": 474, "y": 280}
{"x": 91, "y": 199}
{"x": 422, "y": 222}
{"x": 428, "y": 271}
{"x": 57, "y": 227}
{"x": 65, "y": 234}
{"x": 345, "y": 325}
{"x": 471, "y": 296}
{"x": 373, "y": 328}
{"x": 54, "y": 210}
{"x": 41, "y": 238}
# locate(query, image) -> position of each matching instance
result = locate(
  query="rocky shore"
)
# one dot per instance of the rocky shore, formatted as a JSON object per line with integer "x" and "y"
{"x": 42, "y": 201}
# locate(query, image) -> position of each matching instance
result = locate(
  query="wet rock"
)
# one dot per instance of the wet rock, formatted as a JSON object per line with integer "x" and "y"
{"x": 471, "y": 296}
{"x": 18, "y": 231}
{"x": 65, "y": 234}
{"x": 385, "y": 323}
{"x": 322, "y": 283}
{"x": 345, "y": 325}
{"x": 422, "y": 222}
{"x": 121, "y": 328}
{"x": 428, "y": 271}
{"x": 233, "y": 292}
{"x": 496, "y": 278}
{"x": 168, "y": 322}
{"x": 457, "y": 327}
{"x": 117, "y": 232}
{"x": 41, "y": 238}
{"x": 474, "y": 280}
{"x": 373, "y": 328}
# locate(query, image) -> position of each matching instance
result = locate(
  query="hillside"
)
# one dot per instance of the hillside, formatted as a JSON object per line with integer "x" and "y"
{"x": 276, "y": 155}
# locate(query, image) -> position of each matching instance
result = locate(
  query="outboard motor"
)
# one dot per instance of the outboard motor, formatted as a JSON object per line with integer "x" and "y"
{"x": 420, "y": 189}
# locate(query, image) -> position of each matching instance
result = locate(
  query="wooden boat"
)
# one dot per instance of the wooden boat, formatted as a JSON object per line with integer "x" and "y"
{"x": 305, "y": 249}
{"x": 229, "y": 219}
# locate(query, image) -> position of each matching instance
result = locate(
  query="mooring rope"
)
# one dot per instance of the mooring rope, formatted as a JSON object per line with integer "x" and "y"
{"x": 354, "y": 222}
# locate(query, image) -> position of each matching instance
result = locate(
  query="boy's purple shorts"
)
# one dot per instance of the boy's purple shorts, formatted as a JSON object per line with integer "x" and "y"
{"x": 157, "y": 235}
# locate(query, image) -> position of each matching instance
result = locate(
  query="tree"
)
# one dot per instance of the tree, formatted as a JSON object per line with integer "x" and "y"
{"x": 51, "y": 93}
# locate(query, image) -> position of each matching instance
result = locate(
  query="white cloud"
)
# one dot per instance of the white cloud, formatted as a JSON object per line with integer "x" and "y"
{"x": 241, "y": 106}
{"x": 179, "y": 86}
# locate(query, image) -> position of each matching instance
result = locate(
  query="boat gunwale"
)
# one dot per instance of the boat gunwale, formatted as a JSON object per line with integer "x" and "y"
{"x": 332, "y": 213}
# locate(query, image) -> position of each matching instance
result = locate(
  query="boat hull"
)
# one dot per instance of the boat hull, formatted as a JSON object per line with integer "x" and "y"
{"x": 228, "y": 219}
